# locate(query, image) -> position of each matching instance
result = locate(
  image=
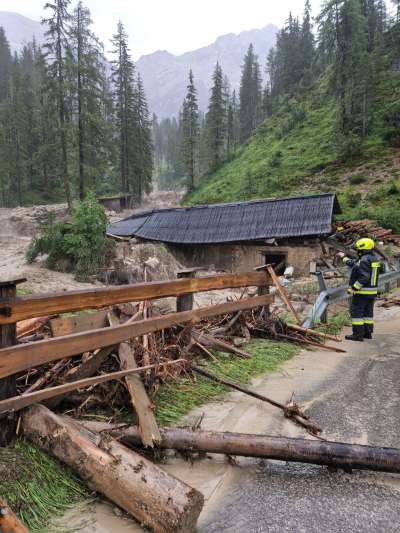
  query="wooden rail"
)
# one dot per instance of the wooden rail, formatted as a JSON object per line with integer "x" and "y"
{"x": 21, "y": 357}
{"x": 15, "y": 309}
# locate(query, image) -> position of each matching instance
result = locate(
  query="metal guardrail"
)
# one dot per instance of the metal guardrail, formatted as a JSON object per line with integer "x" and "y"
{"x": 329, "y": 296}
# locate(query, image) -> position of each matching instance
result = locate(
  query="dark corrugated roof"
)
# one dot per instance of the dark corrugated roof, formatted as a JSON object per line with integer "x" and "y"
{"x": 244, "y": 221}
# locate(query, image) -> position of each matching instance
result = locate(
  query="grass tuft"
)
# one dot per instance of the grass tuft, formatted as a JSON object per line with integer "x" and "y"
{"x": 175, "y": 400}
{"x": 38, "y": 488}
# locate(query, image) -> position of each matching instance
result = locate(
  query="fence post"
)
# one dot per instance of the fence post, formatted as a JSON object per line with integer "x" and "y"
{"x": 8, "y": 386}
{"x": 322, "y": 288}
{"x": 184, "y": 302}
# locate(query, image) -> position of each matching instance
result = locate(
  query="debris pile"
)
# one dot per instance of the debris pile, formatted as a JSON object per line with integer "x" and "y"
{"x": 390, "y": 302}
{"x": 106, "y": 361}
{"x": 343, "y": 238}
{"x": 227, "y": 333}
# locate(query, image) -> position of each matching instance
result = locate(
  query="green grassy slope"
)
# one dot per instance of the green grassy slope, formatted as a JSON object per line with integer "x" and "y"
{"x": 294, "y": 152}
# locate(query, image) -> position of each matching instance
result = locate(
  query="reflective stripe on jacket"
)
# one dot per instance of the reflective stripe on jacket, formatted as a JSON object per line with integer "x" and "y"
{"x": 364, "y": 277}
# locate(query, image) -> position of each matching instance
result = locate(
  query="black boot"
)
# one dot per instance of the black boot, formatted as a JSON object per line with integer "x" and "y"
{"x": 368, "y": 330}
{"x": 354, "y": 338}
{"x": 358, "y": 333}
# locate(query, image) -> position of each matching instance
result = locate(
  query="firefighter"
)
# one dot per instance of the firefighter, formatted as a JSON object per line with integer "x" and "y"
{"x": 363, "y": 286}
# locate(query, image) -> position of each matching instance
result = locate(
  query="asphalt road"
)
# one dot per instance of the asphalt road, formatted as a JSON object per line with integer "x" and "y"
{"x": 358, "y": 401}
{"x": 354, "y": 397}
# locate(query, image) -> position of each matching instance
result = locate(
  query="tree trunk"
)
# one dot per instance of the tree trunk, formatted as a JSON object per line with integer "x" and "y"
{"x": 80, "y": 118}
{"x": 61, "y": 115}
{"x": 337, "y": 454}
{"x": 153, "y": 497}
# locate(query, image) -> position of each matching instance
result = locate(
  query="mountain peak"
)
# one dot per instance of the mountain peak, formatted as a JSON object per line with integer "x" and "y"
{"x": 20, "y": 29}
{"x": 165, "y": 74}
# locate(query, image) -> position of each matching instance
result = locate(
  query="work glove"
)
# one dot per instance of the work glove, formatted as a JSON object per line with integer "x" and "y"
{"x": 350, "y": 291}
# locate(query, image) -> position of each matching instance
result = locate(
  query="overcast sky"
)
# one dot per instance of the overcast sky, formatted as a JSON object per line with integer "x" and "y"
{"x": 174, "y": 25}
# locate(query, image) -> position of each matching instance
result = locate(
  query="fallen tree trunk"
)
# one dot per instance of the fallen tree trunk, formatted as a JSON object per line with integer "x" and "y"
{"x": 337, "y": 454}
{"x": 9, "y": 523}
{"x": 155, "y": 498}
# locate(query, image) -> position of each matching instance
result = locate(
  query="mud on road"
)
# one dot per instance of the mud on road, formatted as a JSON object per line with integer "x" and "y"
{"x": 354, "y": 396}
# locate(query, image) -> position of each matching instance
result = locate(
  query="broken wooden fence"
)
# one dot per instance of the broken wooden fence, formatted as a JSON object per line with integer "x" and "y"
{"x": 17, "y": 358}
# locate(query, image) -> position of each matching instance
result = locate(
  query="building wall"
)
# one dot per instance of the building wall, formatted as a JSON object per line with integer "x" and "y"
{"x": 242, "y": 258}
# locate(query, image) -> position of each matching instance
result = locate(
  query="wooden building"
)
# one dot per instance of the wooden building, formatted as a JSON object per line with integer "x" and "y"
{"x": 238, "y": 236}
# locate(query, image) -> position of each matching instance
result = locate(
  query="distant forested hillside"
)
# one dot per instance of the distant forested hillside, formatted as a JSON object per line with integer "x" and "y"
{"x": 332, "y": 115}
{"x": 67, "y": 124}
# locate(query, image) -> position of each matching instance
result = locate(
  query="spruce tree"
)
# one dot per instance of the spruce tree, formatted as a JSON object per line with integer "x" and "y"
{"x": 89, "y": 91}
{"x": 5, "y": 79}
{"x": 216, "y": 121}
{"x": 123, "y": 78}
{"x": 5, "y": 64}
{"x": 307, "y": 43}
{"x": 233, "y": 126}
{"x": 344, "y": 29}
{"x": 47, "y": 160}
{"x": 143, "y": 162}
{"x": 190, "y": 132}
{"x": 56, "y": 47}
{"x": 250, "y": 95}
{"x": 132, "y": 121}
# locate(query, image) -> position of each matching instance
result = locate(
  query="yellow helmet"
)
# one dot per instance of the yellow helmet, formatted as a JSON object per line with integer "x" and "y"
{"x": 364, "y": 244}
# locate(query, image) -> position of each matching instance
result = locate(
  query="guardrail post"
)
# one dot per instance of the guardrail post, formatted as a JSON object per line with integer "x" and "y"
{"x": 322, "y": 288}
{"x": 8, "y": 386}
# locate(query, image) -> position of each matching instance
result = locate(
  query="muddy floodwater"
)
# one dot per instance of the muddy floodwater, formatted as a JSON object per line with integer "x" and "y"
{"x": 341, "y": 392}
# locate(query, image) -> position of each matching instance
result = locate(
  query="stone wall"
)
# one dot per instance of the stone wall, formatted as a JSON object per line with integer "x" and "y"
{"x": 242, "y": 258}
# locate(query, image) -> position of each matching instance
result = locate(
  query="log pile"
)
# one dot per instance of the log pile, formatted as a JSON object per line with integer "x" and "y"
{"x": 344, "y": 236}
{"x": 354, "y": 229}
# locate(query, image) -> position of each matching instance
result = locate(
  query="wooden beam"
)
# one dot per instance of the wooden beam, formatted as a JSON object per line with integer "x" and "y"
{"x": 67, "y": 325}
{"x": 147, "y": 421}
{"x": 282, "y": 293}
{"x": 14, "y": 309}
{"x": 20, "y": 402}
{"x": 22, "y": 357}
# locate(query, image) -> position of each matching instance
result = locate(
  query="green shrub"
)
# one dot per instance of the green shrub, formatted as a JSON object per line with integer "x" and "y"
{"x": 80, "y": 246}
{"x": 51, "y": 242}
{"x": 393, "y": 188}
{"x": 87, "y": 243}
{"x": 355, "y": 179}
{"x": 276, "y": 158}
{"x": 353, "y": 199}
{"x": 388, "y": 216}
